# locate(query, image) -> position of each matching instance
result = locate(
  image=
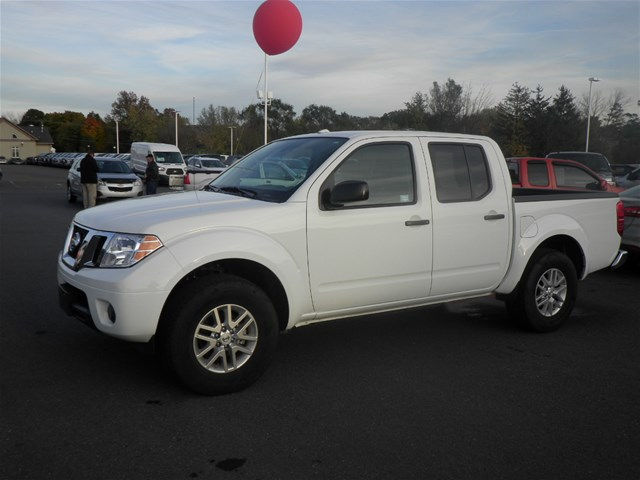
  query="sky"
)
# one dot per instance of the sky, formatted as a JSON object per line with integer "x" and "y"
{"x": 362, "y": 57}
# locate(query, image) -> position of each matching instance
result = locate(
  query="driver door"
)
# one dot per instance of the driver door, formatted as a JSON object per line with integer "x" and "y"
{"x": 375, "y": 252}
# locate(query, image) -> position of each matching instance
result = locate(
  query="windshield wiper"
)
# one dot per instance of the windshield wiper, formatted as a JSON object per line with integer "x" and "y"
{"x": 243, "y": 192}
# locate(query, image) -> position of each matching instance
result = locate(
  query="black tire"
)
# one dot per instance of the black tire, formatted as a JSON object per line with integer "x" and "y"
{"x": 521, "y": 303}
{"x": 180, "y": 324}
{"x": 71, "y": 198}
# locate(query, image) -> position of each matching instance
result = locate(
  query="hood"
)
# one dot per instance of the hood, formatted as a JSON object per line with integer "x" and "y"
{"x": 172, "y": 214}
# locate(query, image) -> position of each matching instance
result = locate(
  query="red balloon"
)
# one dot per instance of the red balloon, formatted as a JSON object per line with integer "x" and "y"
{"x": 277, "y": 25}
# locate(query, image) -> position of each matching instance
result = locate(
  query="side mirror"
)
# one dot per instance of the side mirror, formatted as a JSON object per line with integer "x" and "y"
{"x": 345, "y": 192}
{"x": 596, "y": 185}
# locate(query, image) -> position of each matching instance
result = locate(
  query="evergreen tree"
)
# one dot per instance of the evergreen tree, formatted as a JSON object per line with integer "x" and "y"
{"x": 445, "y": 104}
{"x": 565, "y": 126}
{"x": 537, "y": 123}
{"x": 509, "y": 129}
{"x": 32, "y": 116}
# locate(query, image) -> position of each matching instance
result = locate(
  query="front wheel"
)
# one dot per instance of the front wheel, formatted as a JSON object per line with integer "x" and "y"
{"x": 546, "y": 293}
{"x": 221, "y": 334}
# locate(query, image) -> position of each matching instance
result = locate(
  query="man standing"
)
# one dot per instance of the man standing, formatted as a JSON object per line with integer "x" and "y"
{"x": 89, "y": 180}
{"x": 151, "y": 175}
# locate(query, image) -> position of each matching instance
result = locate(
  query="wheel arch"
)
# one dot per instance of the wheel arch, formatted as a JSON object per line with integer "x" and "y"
{"x": 249, "y": 270}
{"x": 571, "y": 243}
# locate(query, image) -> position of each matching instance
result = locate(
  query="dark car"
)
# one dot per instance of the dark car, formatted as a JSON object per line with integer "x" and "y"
{"x": 621, "y": 170}
{"x": 594, "y": 161}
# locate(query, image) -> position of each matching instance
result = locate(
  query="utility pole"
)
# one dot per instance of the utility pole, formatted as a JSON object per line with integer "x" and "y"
{"x": 176, "y": 127}
{"x": 591, "y": 80}
{"x": 117, "y": 135}
{"x": 231, "y": 128}
{"x": 193, "y": 118}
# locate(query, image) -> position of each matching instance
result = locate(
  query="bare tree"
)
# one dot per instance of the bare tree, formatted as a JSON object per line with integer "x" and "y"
{"x": 13, "y": 117}
{"x": 598, "y": 105}
{"x": 473, "y": 104}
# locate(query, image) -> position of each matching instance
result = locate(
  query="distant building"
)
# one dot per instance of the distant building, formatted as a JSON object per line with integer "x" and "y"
{"x": 23, "y": 141}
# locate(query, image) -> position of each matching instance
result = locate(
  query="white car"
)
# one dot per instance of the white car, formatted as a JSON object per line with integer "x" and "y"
{"x": 115, "y": 180}
{"x": 201, "y": 170}
{"x": 379, "y": 221}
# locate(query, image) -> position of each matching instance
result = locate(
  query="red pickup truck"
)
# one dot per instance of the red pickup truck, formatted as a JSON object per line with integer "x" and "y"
{"x": 555, "y": 174}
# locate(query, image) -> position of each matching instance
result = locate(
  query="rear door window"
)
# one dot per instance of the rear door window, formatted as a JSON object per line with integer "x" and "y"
{"x": 460, "y": 171}
{"x": 538, "y": 174}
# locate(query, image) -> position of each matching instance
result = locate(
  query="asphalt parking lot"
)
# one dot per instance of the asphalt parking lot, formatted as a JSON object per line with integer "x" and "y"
{"x": 450, "y": 391}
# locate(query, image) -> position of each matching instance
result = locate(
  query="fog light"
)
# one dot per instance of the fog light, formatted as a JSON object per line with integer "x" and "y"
{"x": 111, "y": 313}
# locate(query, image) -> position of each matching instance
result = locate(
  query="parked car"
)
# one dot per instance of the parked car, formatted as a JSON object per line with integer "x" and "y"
{"x": 597, "y": 162}
{"x": 3, "y": 159}
{"x": 381, "y": 221}
{"x": 631, "y": 236}
{"x": 201, "y": 170}
{"x": 621, "y": 170}
{"x": 231, "y": 159}
{"x": 171, "y": 166}
{"x": 631, "y": 180}
{"x": 115, "y": 180}
{"x": 554, "y": 174}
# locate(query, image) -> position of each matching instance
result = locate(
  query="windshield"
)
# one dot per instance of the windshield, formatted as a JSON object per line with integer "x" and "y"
{"x": 168, "y": 157}
{"x": 210, "y": 163}
{"x": 594, "y": 161}
{"x": 266, "y": 173}
{"x": 111, "y": 166}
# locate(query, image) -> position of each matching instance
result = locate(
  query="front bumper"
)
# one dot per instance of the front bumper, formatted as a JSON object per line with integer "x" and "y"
{"x": 124, "y": 303}
{"x": 119, "y": 191}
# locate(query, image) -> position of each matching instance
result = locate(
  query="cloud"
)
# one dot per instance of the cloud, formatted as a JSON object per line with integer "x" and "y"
{"x": 360, "y": 57}
{"x": 161, "y": 33}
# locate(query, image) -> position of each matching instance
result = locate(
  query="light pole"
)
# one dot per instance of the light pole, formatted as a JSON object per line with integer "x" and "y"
{"x": 231, "y": 128}
{"x": 117, "y": 134}
{"x": 176, "y": 112}
{"x": 193, "y": 118}
{"x": 591, "y": 80}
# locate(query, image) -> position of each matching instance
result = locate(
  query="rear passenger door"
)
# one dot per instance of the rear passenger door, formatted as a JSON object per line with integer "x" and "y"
{"x": 471, "y": 225}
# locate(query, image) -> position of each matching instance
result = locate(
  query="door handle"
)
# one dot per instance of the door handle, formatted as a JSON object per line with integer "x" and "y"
{"x": 494, "y": 216}
{"x": 413, "y": 223}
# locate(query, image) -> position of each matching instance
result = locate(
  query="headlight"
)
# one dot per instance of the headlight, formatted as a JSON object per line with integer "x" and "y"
{"x": 102, "y": 183}
{"x": 161, "y": 169}
{"x": 126, "y": 249}
{"x": 137, "y": 182}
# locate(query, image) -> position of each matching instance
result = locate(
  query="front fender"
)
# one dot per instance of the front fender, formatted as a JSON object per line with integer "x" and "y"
{"x": 224, "y": 243}
{"x": 530, "y": 235}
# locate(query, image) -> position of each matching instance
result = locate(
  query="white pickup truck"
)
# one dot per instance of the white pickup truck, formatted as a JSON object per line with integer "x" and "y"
{"x": 371, "y": 222}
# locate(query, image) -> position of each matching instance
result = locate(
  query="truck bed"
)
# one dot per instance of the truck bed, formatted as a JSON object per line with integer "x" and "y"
{"x": 539, "y": 194}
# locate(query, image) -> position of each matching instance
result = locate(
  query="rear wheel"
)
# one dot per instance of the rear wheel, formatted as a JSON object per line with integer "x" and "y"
{"x": 547, "y": 292}
{"x": 70, "y": 196}
{"x": 223, "y": 337}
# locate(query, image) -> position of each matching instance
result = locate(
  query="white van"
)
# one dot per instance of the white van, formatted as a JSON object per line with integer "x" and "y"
{"x": 167, "y": 156}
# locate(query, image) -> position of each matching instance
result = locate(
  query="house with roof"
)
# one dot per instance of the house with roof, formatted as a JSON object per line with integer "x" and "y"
{"x": 23, "y": 141}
